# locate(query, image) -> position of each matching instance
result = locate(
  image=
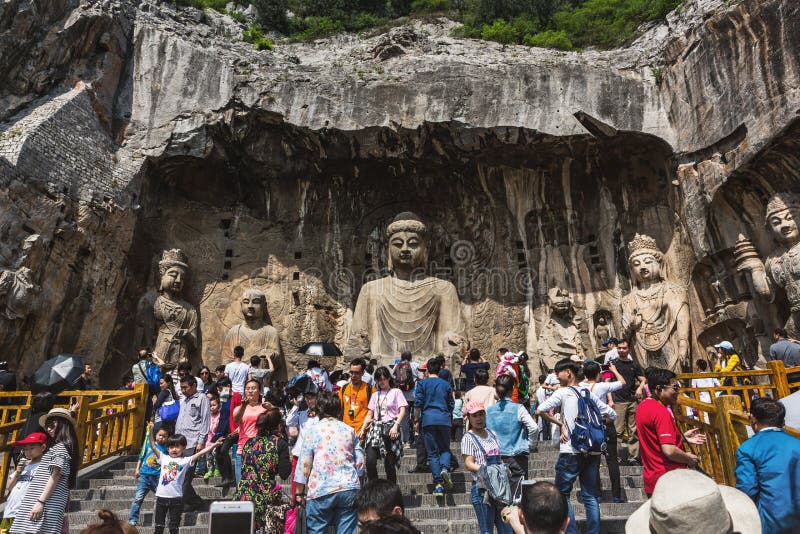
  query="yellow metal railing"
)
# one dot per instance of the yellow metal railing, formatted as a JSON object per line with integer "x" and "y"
{"x": 107, "y": 423}
{"x": 725, "y": 420}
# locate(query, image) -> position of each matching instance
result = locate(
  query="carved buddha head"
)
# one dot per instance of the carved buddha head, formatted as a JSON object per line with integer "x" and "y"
{"x": 559, "y": 300}
{"x": 783, "y": 211}
{"x": 645, "y": 259}
{"x": 173, "y": 269}
{"x": 408, "y": 242}
{"x": 254, "y": 304}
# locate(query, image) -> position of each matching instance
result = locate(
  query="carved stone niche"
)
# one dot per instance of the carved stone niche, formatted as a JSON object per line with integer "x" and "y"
{"x": 737, "y": 331}
{"x": 603, "y": 328}
{"x": 718, "y": 286}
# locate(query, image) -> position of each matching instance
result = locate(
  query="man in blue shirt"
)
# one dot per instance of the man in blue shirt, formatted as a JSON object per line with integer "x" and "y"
{"x": 768, "y": 468}
{"x": 433, "y": 400}
{"x": 471, "y": 364}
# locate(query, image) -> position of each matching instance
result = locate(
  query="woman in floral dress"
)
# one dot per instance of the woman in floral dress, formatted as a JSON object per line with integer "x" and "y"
{"x": 264, "y": 458}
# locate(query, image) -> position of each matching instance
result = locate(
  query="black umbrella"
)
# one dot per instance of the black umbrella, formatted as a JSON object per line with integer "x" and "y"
{"x": 57, "y": 374}
{"x": 319, "y": 348}
{"x": 302, "y": 383}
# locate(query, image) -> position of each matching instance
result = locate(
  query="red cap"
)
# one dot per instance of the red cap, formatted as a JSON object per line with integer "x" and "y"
{"x": 37, "y": 438}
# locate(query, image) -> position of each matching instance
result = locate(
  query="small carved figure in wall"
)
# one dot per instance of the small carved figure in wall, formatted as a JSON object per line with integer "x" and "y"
{"x": 17, "y": 293}
{"x": 561, "y": 334}
{"x": 171, "y": 321}
{"x": 602, "y": 331}
{"x": 782, "y": 268}
{"x": 256, "y": 336}
{"x": 407, "y": 310}
{"x": 655, "y": 312}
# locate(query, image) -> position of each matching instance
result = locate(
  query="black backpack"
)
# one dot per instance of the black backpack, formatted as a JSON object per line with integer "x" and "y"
{"x": 404, "y": 376}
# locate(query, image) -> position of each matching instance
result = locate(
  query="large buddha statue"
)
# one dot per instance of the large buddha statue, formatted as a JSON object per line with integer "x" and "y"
{"x": 782, "y": 269}
{"x": 656, "y": 312}
{"x": 167, "y": 323}
{"x": 407, "y": 310}
{"x": 256, "y": 336}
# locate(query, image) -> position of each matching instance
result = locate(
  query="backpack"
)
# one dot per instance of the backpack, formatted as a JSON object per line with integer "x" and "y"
{"x": 152, "y": 375}
{"x": 493, "y": 477}
{"x": 169, "y": 412}
{"x": 524, "y": 384}
{"x": 404, "y": 376}
{"x": 589, "y": 433}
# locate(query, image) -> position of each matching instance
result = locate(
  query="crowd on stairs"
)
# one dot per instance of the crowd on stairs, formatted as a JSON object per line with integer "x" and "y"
{"x": 341, "y": 444}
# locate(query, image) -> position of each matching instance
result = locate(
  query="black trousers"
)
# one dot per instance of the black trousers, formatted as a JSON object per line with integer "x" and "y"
{"x": 190, "y": 496}
{"x": 612, "y": 460}
{"x": 172, "y": 506}
{"x": 518, "y": 469}
{"x": 223, "y": 457}
{"x": 388, "y": 464}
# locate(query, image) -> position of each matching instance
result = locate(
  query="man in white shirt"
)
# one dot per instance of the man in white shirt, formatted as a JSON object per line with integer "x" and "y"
{"x": 603, "y": 390}
{"x": 184, "y": 369}
{"x": 571, "y": 464}
{"x": 237, "y": 371}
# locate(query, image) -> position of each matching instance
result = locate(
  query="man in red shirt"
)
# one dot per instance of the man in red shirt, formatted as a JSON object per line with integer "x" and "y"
{"x": 660, "y": 440}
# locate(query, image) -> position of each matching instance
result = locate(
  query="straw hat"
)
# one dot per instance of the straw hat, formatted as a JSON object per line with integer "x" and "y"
{"x": 688, "y": 501}
{"x": 61, "y": 413}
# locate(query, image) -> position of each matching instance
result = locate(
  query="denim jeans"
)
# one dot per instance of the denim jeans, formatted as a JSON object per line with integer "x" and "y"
{"x": 437, "y": 445}
{"x": 489, "y": 517}
{"x": 146, "y": 484}
{"x": 585, "y": 467}
{"x": 237, "y": 458}
{"x": 335, "y": 509}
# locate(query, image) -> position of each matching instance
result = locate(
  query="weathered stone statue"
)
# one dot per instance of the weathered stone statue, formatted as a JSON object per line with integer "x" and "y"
{"x": 16, "y": 293}
{"x": 601, "y": 333}
{"x": 656, "y": 312}
{"x": 782, "y": 267}
{"x": 561, "y": 335}
{"x": 407, "y": 310}
{"x": 255, "y": 335}
{"x": 167, "y": 323}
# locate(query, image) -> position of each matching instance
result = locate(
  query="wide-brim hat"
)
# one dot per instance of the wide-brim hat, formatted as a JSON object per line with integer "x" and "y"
{"x": 61, "y": 413}
{"x": 685, "y": 500}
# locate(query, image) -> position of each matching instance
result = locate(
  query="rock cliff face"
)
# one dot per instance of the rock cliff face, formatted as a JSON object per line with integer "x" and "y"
{"x": 129, "y": 128}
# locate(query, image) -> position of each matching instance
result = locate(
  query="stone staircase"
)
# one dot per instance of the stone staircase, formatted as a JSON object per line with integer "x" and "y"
{"x": 113, "y": 487}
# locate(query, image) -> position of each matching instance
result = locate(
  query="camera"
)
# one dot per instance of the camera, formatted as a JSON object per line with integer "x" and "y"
{"x": 351, "y": 413}
{"x": 605, "y": 367}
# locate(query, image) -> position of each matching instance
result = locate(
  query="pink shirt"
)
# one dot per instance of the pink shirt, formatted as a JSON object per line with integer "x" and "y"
{"x": 387, "y": 403}
{"x": 212, "y": 428}
{"x": 247, "y": 426}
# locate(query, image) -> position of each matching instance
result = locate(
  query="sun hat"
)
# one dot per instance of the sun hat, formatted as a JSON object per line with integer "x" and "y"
{"x": 685, "y": 500}
{"x": 61, "y": 413}
{"x": 473, "y": 407}
{"x": 727, "y": 345}
{"x": 423, "y": 367}
{"x": 34, "y": 438}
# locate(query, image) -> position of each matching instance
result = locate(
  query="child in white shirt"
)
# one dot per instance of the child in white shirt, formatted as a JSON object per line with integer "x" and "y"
{"x": 33, "y": 447}
{"x": 169, "y": 494}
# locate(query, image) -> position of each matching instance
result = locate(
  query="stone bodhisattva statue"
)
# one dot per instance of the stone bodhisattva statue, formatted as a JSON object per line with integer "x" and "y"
{"x": 561, "y": 335}
{"x": 167, "y": 323}
{"x": 656, "y": 312}
{"x": 782, "y": 269}
{"x": 407, "y": 310}
{"x": 256, "y": 336}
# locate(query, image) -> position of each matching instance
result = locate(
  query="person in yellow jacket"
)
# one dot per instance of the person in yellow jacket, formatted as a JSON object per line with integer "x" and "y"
{"x": 728, "y": 361}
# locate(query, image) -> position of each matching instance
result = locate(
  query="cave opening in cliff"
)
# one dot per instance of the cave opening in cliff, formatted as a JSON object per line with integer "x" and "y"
{"x": 302, "y": 214}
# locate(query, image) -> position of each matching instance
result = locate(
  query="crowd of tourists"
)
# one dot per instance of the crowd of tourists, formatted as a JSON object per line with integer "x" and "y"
{"x": 325, "y": 441}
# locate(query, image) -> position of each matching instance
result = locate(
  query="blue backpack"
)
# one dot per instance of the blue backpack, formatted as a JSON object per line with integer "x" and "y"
{"x": 152, "y": 374}
{"x": 589, "y": 434}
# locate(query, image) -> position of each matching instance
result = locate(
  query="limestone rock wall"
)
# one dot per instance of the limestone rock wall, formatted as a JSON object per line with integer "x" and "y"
{"x": 131, "y": 127}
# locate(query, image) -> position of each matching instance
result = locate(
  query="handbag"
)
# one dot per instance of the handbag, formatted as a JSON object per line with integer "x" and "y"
{"x": 493, "y": 476}
{"x": 169, "y": 412}
{"x": 300, "y": 526}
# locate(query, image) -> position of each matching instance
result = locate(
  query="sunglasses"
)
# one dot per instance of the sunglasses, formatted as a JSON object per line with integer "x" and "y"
{"x": 674, "y": 387}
